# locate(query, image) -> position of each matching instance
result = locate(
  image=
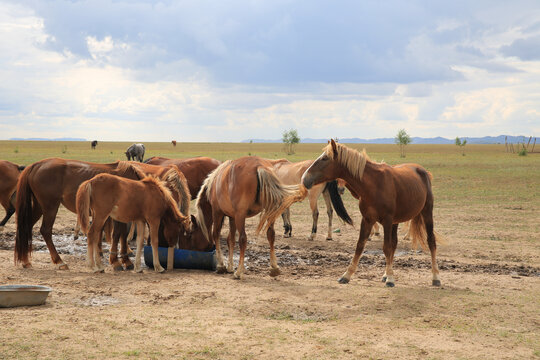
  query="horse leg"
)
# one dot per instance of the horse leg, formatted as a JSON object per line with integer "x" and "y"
{"x": 10, "y": 210}
{"x": 217, "y": 219}
{"x": 271, "y": 236}
{"x": 427, "y": 214}
{"x": 314, "y": 214}
{"x": 231, "y": 239}
{"x": 330, "y": 213}
{"x": 94, "y": 236}
{"x": 242, "y": 241}
{"x": 140, "y": 239}
{"x": 154, "y": 239}
{"x": 124, "y": 248}
{"x": 389, "y": 248}
{"x": 365, "y": 229}
{"x": 287, "y": 226}
{"x": 46, "y": 231}
{"x": 113, "y": 253}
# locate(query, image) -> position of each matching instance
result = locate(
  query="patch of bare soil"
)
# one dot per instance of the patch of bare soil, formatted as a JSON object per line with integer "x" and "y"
{"x": 486, "y": 308}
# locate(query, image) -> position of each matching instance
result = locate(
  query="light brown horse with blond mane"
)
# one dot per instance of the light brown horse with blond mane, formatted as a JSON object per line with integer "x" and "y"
{"x": 240, "y": 189}
{"x": 291, "y": 174}
{"x": 388, "y": 194}
{"x": 126, "y": 200}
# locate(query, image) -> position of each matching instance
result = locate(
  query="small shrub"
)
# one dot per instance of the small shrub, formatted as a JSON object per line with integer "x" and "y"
{"x": 64, "y": 149}
{"x": 16, "y": 151}
{"x": 522, "y": 152}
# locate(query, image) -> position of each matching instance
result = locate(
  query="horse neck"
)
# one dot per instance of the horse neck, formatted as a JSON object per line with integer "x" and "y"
{"x": 359, "y": 185}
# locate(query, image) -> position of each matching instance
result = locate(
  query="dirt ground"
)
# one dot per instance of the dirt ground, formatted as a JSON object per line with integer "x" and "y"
{"x": 488, "y": 306}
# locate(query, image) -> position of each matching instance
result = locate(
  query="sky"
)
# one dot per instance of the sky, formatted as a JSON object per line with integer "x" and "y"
{"x": 238, "y": 70}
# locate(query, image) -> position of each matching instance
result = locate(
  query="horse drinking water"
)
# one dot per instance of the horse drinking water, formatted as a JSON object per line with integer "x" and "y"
{"x": 388, "y": 194}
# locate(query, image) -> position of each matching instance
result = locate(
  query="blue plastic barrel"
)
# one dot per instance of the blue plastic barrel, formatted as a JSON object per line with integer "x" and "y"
{"x": 183, "y": 259}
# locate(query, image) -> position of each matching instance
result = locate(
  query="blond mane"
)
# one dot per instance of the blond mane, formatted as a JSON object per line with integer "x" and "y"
{"x": 123, "y": 167}
{"x": 176, "y": 180}
{"x": 150, "y": 179}
{"x": 351, "y": 159}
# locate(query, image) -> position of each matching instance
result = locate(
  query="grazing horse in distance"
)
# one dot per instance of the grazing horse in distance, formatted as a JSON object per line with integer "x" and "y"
{"x": 173, "y": 143}
{"x": 388, "y": 195}
{"x": 46, "y": 184}
{"x": 94, "y": 144}
{"x": 290, "y": 174}
{"x": 9, "y": 174}
{"x": 126, "y": 200}
{"x": 135, "y": 151}
{"x": 240, "y": 189}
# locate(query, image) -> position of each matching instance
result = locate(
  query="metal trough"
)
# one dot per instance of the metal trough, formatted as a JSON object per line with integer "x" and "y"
{"x": 183, "y": 259}
{"x": 23, "y": 295}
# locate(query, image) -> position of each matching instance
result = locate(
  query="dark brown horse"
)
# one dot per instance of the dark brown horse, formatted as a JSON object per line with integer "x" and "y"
{"x": 240, "y": 189}
{"x": 388, "y": 195}
{"x": 9, "y": 174}
{"x": 126, "y": 200}
{"x": 46, "y": 184}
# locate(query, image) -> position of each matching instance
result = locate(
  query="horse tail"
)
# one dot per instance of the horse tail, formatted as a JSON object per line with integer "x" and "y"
{"x": 275, "y": 197}
{"x": 82, "y": 204}
{"x": 337, "y": 202}
{"x": 417, "y": 231}
{"x": 24, "y": 203}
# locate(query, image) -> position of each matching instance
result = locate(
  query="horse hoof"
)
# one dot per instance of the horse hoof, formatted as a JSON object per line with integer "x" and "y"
{"x": 118, "y": 268}
{"x": 63, "y": 267}
{"x": 390, "y": 284}
{"x": 275, "y": 272}
{"x": 97, "y": 271}
{"x": 236, "y": 276}
{"x": 221, "y": 270}
{"x": 384, "y": 279}
{"x": 343, "y": 280}
{"x": 329, "y": 239}
{"x": 436, "y": 283}
{"x": 130, "y": 267}
{"x": 27, "y": 266}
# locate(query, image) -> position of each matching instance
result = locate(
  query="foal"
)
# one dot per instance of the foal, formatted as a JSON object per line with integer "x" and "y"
{"x": 127, "y": 200}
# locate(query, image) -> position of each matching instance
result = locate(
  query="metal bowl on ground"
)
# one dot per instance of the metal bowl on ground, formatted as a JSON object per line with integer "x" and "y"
{"x": 23, "y": 295}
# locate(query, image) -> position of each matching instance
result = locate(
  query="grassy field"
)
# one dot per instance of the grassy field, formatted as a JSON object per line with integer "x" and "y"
{"x": 486, "y": 206}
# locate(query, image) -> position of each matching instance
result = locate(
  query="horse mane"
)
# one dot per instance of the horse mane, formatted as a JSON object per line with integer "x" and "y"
{"x": 351, "y": 159}
{"x": 123, "y": 167}
{"x": 204, "y": 194}
{"x": 176, "y": 180}
{"x": 150, "y": 179}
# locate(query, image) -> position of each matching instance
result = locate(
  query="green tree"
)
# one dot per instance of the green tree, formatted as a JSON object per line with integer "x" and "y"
{"x": 461, "y": 144}
{"x": 402, "y": 139}
{"x": 290, "y": 138}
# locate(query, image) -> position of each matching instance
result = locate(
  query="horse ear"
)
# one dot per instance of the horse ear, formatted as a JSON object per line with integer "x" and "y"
{"x": 334, "y": 146}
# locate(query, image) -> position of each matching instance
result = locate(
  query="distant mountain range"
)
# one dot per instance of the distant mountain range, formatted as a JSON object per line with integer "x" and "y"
{"x": 44, "y": 139}
{"x": 415, "y": 140}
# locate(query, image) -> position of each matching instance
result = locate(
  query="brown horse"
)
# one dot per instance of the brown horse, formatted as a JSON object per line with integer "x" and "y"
{"x": 9, "y": 174}
{"x": 46, "y": 184}
{"x": 126, "y": 200}
{"x": 388, "y": 194}
{"x": 173, "y": 143}
{"x": 291, "y": 174}
{"x": 240, "y": 189}
{"x": 177, "y": 184}
{"x": 194, "y": 169}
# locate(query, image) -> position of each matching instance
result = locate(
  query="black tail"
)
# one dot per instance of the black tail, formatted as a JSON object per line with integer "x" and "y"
{"x": 337, "y": 202}
{"x": 23, "y": 236}
{"x": 21, "y": 167}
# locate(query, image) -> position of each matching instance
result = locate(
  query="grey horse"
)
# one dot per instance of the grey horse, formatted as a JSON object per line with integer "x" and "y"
{"x": 135, "y": 151}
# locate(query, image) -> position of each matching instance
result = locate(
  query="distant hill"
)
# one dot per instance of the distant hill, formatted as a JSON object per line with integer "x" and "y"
{"x": 45, "y": 139}
{"x": 415, "y": 140}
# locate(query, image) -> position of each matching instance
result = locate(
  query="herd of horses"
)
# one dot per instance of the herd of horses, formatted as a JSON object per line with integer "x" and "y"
{"x": 157, "y": 193}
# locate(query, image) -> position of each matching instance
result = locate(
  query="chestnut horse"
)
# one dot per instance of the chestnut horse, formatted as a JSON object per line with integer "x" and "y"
{"x": 177, "y": 184}
{"x": 291, "y": 174}
{"x": 46, "y": 184}
{"x": 240, "y": 189}
{"x": 388, "y": 194}
{"x": 9, "y": 174}
{"x": 126, "y": 200}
